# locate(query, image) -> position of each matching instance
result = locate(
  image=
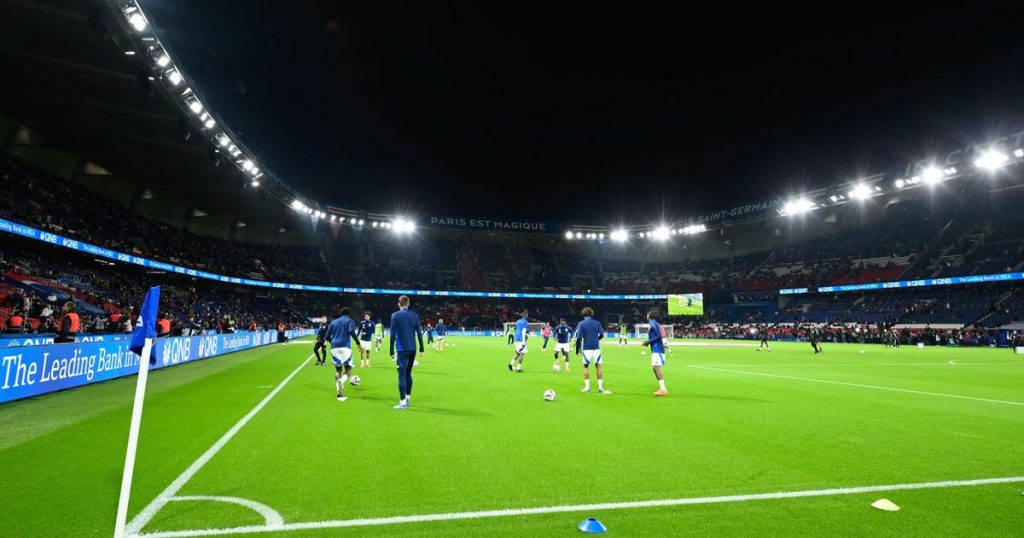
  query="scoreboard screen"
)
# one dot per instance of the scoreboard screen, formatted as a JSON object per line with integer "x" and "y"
{"x": 687, "y": 304}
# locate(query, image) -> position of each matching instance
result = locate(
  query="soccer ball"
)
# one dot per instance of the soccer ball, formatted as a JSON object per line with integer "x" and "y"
{"x": 549, "y": 395}
{"x": 556, "y": 368}
{"x": 354, "y": 381}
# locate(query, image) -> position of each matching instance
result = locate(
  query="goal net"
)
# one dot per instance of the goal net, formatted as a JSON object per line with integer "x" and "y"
{"x": 642, "y": 328}
{"x": 510, "y": 327}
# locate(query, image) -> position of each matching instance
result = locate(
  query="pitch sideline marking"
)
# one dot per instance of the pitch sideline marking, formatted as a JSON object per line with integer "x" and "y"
{"x": 161, "y": 500}
{"x": 876, "y": 387}
{"x": 425, "y": 518}
{"x": 271, "y": 516}
{"x": 954, "y": 363}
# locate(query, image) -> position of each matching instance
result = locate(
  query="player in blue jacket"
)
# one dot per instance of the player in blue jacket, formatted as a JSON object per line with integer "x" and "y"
{"x": 588, "y": 337}
{"x": 657, "y": 345}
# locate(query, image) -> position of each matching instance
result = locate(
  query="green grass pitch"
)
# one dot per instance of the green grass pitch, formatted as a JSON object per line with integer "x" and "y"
{"x": 478, "y": 437}
{"x": 686, "y": 305}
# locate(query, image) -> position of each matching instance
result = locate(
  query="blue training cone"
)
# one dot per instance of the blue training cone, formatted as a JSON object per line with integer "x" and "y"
{"x": 592, "y": 526}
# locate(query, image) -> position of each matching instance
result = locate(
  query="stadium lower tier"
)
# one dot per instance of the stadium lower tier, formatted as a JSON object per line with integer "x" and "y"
{"x": 38, "y": 278}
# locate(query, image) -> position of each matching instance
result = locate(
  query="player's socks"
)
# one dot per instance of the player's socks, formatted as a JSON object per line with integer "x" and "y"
{"x": 586, "y": 386}
{"x": 661, "y": 384}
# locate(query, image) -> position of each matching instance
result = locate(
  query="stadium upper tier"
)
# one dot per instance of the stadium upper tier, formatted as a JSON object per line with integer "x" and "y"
{"x": 948, "y": 233}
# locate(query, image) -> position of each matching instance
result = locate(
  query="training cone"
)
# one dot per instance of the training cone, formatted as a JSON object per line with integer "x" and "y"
{"x": 592, "y": 526}
{"x": 885, "y": 504}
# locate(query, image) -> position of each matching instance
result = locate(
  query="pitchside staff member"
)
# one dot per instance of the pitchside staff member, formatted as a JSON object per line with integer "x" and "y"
{"x": 320, "y": 347}
{"x": 69, "y": 326}
{"x": 405, "y": 334}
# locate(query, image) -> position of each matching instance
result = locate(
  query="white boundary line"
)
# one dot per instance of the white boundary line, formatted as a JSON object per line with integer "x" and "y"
{"x": 876, "y": 387}
{"x": 161, "y": 500}
{"x": 812, "y": 364}
{"x": 425, "y": 518}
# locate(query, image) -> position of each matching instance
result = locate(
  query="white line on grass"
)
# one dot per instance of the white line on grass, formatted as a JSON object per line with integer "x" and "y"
{"x": 165, "y": 496}
{"x": 425, "y": 518}
{"x": 947, "y": 363}
{"x": 271, "y": 516}
{"x": 876, "y": 387}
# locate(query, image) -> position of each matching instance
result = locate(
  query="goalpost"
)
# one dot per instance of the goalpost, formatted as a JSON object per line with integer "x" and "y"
{"x": 535, "y": 328}
{"x": 640, "y": 330}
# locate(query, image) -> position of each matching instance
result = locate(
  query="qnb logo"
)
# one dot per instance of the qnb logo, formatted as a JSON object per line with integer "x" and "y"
{"x": 176, "y": 350}
{"x": 71, "y": 243}
{"x": 48, "y": 237}
{"x": 207, "y": 346}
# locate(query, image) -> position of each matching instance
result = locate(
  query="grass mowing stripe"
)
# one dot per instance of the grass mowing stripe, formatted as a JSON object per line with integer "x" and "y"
{"x": 423, "y": 518}
{"x": 876, "y": 387}
{"x": 139, "y": 521}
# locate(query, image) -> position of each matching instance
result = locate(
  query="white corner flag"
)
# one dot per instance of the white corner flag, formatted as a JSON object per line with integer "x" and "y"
{"x": 142, "y": 344}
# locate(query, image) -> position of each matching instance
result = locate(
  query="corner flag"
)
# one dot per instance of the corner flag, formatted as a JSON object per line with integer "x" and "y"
{"x": 145, "y": 327}
{"x": 142, "y": 344}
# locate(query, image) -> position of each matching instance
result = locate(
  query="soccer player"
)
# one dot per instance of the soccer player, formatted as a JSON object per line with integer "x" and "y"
{"x": 511, "y": 332}
{"x": 563, "y": 333}
{"x": 366, "y": 330}
{"x": 546, "y": 333}
{"x": 405, "y": 334}
{"x": 379, "y": 334}
{"x": 588, "y": 336}
{"x": 522, "y": 333}
{"x": 340, "y": 332}
{"x": 623, "y": 334}
{"x": 320, "y": 347}
{"x": 656, "y": 341}
{"x": 764, "y": 339}
{"x": 815, "y": 338}
{"x": 442, "y": 331}
{"x": 430, "y": 335}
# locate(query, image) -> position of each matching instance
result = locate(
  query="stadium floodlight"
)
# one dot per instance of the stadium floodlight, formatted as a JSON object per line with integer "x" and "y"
{"x": 991, "y": 160}
{"x": 129, "y": 53}
{"x": 234, "y": 151}
{"x": 661, "y": 233}
{"x": 195, "y": 106}
{"x": 931, "y": 175}
{"x": 163, "y": 60}
{"x": 255, "y": 183}
{"x": 619, "y": 235}
{"x": 209, "y": 123}
{"x": 568, "y": 235}
{"x": 694, "y": 229}
{"x": 373, "y": 224}
{"x": 1018, "y": 153}
{"x": 642, "y": 235}
{"x": 173, "y": 76}
{"x": 797, "y": 207}
{"x": 579, "y": 235}
{"x": 135, "y": 18}
{"x": 223, "y": 140}
{"x": 600, "y": 236}
{"x": 860, "y": 192}
{"x": 899, "y": 183}
{"x": 255, "y": 171}
{"x": 361, "y": 222}
{"x": 298, "y": 205}
{"x": 403, "y": 225}
{"x": 247, "y": 165}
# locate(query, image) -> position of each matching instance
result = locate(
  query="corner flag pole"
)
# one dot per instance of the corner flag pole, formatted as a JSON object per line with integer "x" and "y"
{"x": 133, "y": 441}
{"x": 143, "y": 339}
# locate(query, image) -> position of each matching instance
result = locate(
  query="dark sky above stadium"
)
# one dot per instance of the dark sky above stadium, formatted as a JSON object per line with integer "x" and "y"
{"x": 586, "y": 111}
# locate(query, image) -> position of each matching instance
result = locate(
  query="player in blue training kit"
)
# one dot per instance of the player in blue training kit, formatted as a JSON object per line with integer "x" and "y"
{"x": 657, "y": 344}
{"x": 405, "y": 334}
{"x": 588, "y": 337}
{"x": 522, "y": 333}
{"x": 442, "y": 330}
{"x": 563, "y": 333}
{"x": 366, "y": 330}
{"x": 341, "y": 332}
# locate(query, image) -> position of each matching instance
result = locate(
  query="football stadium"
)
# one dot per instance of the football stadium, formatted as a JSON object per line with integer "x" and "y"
{"x": 773, "y": 288}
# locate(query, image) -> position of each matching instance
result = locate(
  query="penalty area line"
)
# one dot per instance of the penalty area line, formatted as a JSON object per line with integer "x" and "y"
{"x": 167, "y": 495}
{"x": 426, "y": 518}
{"x": 859, "y": 385}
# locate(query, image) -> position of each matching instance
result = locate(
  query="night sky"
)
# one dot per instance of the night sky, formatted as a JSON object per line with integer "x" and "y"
{"x": 590, "y": 112}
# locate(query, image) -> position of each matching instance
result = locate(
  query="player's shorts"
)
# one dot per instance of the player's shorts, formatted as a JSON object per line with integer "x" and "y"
{"x": 342, "y": 356}
{"x": 657, "y": 359}
{"x": 591, "y": 356}
{"x": 520, "y": 347}
{"x": 365, "y": 345}
{"x": 379, "y": 338}
{"x": 564, "y": 346}
{"x": 439, "y": 338}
